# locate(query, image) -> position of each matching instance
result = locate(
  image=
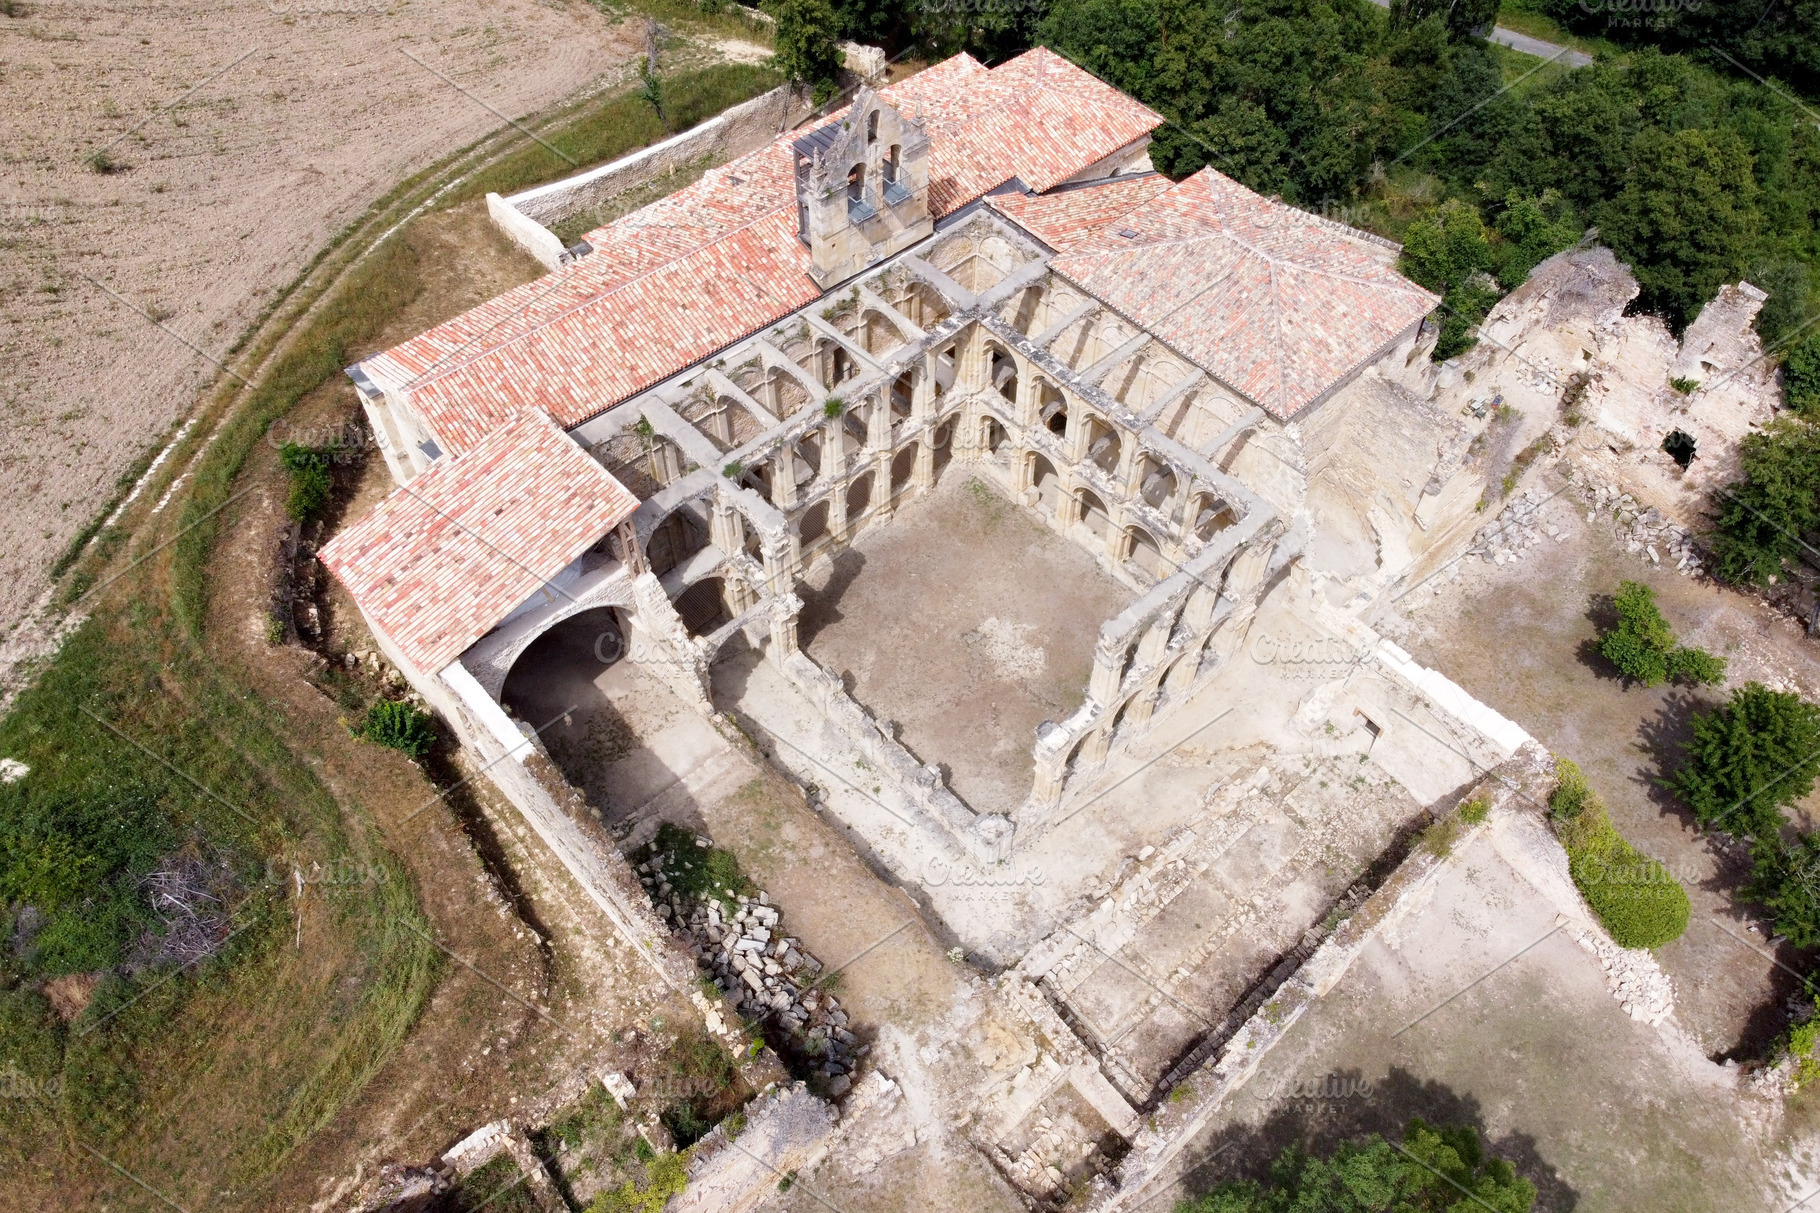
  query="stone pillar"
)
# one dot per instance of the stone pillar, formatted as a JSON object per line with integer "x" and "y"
{"x": 1108, "y": 668}
{"x": 784, "y": 611}
{"x": 783, "y": 477}
{"x": 1142, "y": 705}
{"x": 1181, "y": 675}
{"x": 923, "y": 474}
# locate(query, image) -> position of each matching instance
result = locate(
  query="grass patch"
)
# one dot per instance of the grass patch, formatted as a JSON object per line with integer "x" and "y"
{"x": 622, "y": 124}
{"x": 1640, "y": 903}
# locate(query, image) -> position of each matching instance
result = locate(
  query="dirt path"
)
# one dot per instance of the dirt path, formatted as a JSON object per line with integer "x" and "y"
{"x": 537, "y": 994}
{"x": 239, "y": 138}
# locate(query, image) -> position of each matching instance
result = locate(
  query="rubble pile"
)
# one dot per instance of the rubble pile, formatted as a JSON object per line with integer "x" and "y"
{"x": 1517, "y": 528}
{"x": 1634, "y": 977}
{"x": 1644, "y": 530}
{"x": 737, "y": 938}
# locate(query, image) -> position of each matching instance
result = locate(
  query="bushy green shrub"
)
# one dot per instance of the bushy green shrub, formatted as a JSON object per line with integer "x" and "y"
{"x": 1437, "y": 1168}
{"x": 1640, "y": 903}
{"x": 1801, "y": 376}
{"x": 1643, "y": 647}
{"x": 310, "y": 482}
{"x": 399, "y": 726}
{"x": 1762, "y": 518}
{"x": 1748, "y": 758}
{"x": 666, "y": 1176}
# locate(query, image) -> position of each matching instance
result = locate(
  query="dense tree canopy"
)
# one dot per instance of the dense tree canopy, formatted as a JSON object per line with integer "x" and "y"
{"x": 1434, "y": 1168}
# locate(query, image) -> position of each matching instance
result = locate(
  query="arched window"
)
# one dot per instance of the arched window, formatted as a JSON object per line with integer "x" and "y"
{"x": 856, "y": 183}
{"x": 872, "y": 127}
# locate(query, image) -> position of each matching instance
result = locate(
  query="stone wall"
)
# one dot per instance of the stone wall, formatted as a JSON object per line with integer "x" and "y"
{"x": 735, "y": 132}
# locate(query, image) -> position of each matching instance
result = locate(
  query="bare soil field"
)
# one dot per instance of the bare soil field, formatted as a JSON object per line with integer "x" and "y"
{"x": 166, "y": 169}
{"x": 1521, "y": 637}
{"x": 969, "y": 625}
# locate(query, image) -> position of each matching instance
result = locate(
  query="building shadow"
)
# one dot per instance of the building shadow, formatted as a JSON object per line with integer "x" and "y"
{"x": 823, "y": 607}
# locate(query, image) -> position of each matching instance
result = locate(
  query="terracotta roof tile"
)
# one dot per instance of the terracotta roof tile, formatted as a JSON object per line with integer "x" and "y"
{"x": 1276, "y": 303}
{"x": 671, "y": 283}
{"x": 440, "y": 562}
{"x": 1065, "y": 219}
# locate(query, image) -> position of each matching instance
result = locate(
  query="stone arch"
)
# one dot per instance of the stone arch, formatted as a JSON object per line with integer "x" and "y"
{"x": 942, "y": 439}
{"x": 859, "y": 495}
{"x": 1101, "y": 446}
{"x": 679, "y": 536}
{"x": 903, "y": 467}
{"x": 1142, "y": 552}
{"x": 703, "y": 606}
{"x": 1001, "y": 370}
{"x": 1208, "y": 515}
{"x": 1052, "y": 408}
{"x": 902, "y": 395}
{"x": 814, "y": 523}
{"x": 582, "y": 629}
{"x": 1047, "y": 484}
{"x": 1156, "y": 482}
{"x": 1094, "y": 515}
{"x": 994, "y": 439}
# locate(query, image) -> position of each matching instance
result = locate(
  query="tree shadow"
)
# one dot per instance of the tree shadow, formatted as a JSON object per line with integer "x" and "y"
{"x": 1321, "y": 1112}
{"x": 822, "y": 607}
{"x": 1663, "y": 738}
{"x": 1602, "y": 613}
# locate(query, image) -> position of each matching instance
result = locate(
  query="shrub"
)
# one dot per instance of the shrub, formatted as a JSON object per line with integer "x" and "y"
{"x": 1785, "y": 878}
{"x": 1640, "y": 903}
{"x": 398, "y": 726}
{"x": 310, "y": 483}
{"x": 1685, "y": 386}
{"x": 1762, "y": 516}
{"x": 666, "y": 1176}
{"x": 1748, "y": 758}
{"x": 1437, "y": 1168}
{"x": 1475, "y": 811}
{"x": 1643, "y": 646}
{"x": 805, "y": 39}
{"x": 1803, "y": 1038}
{"x": 1801, "y": 377}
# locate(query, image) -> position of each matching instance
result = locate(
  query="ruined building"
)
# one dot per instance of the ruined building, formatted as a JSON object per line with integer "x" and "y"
{"x": 971, "y": 273}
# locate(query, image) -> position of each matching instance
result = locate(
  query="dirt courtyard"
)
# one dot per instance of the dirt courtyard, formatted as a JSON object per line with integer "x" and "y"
{"x": 969, "y": 625}
{"x": 236, "y": 139}
{"x": 1541, "y": 618}
{"x": 1645, "y": 1123}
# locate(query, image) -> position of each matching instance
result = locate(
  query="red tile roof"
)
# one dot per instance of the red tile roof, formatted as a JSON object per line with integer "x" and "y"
{"x": 1065, "y": 219}
{"x": 441, "y": 561}
{"x": 671, "y": 283}
{"x": 1276, "y": 303}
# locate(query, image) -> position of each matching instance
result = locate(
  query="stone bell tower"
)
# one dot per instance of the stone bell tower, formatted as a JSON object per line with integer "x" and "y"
{"x": 862, "y": 188}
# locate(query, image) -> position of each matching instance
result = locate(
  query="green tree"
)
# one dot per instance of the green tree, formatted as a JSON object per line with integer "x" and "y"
{"x": 1435, "y": 1169}
{"x": 1464, "y": 18}
{"x": 1686, "y": 220}
{"x": 1532, "y": 231}
{"x": 1446, "y": 246}
{"x": 1762, "y": 518}
{"x": 1785, "y": 878}
{"x": 805, "y": 39}
{"x": 1643, "y": 646}
{"x": 1748, "y": 759}
{"x": 1801, "y": 376}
